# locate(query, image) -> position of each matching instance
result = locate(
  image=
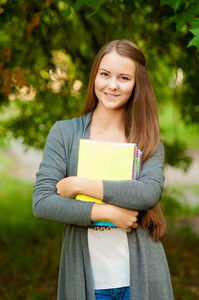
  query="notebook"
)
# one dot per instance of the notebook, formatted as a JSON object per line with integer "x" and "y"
{"x": 107, "y": 161}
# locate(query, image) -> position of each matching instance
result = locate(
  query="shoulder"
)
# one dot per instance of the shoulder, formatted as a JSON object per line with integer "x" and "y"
{"x": 68, "y": 124}
{"x": 72, "y": 125}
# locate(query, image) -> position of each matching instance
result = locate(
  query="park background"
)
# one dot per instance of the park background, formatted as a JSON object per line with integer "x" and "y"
{"x": 46, "y": 52}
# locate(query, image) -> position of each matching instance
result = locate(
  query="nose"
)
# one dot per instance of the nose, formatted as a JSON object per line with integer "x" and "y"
{"x": 113, "y": 84}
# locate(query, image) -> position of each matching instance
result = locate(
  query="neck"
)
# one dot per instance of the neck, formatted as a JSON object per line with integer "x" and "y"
{"x": 108, "y": 125}
{"x": 109, "y": 119}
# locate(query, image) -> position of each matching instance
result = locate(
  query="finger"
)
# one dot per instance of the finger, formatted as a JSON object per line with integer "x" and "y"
{"x": 129, "y": 229}
{"x": 135, "y": 225}
{"x": 134, "y": 220}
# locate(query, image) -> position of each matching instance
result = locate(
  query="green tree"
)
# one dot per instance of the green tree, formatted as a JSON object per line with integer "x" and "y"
{"x": 47, "y": 48}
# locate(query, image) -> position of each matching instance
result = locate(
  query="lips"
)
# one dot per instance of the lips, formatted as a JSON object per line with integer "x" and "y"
{"x": 111, "y": 96}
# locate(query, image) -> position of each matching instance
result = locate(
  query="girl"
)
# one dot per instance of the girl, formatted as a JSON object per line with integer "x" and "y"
{"x": 127, "y": 262}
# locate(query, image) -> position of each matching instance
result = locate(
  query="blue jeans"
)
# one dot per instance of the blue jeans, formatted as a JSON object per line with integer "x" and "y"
{"x": 110, "y": 294}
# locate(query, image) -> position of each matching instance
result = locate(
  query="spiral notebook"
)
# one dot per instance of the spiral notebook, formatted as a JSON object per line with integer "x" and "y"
{"x": 107, "y": 161}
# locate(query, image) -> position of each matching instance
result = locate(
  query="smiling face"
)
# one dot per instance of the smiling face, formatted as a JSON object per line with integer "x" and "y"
{"x": 114, "y": 81}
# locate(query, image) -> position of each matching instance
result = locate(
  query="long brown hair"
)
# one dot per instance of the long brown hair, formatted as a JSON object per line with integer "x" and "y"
{"x": 141, "y": 118}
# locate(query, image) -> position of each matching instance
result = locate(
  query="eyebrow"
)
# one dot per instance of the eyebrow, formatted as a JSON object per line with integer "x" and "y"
{"x": 123, "y": 74}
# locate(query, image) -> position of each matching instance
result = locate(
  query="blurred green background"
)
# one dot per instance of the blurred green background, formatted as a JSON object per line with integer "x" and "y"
{"x": 46, "y": 52}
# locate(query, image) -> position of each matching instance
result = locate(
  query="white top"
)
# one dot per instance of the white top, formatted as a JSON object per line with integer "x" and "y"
{"x": 109, "y": 254}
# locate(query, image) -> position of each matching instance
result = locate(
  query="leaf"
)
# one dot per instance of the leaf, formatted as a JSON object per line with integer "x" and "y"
{"x": 77, "y": 5}
{"x": 105, "y": 15}
{"x": 176, "y": 4}
{"x": 195, "y": 22}
{"x": 67, "y": 12}
{"x": 96, "y": 9}
{"x": 95, "y": 5}
{"x": 195, "y": 31}
{"x": 195, "y": 39}
{"x": 172, "y": 3}
{"x": 194, "y": 42}
{"x": 173, "y": 19}
{"x": 180, "y": 24}
{"x": 189, "y": 17}
{"x": 193, "y": 8}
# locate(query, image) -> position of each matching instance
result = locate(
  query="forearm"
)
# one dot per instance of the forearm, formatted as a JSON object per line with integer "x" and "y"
{"x": 100, "y": 212}
{"x": 133, "y": 194}
{"x": 128, "y": 194}
{"x": 122, "y": 218}
{"x": 47, "y": 205}
{"x": 90, "y": 187}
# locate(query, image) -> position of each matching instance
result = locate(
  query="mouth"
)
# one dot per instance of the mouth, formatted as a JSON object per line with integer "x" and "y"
{"x": 111, "y": 96}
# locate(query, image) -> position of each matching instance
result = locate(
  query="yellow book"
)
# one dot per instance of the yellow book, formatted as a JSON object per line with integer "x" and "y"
{"x": 105, "y": 161}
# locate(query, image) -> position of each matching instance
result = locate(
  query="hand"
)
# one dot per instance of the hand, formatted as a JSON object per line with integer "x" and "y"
{"x": 124, "y": 218}
{"x": 67, "y": 187}
{"x": 121, "y": 217}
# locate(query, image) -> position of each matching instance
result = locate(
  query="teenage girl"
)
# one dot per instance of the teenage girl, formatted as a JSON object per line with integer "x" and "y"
{"x": 127, "y": 262}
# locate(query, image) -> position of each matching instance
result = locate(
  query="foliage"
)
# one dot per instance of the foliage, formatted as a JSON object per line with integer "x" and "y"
{"x": 173, "y": 127}
{"x": 181, "y": 159}
{"x": 175, "y": 204}
{"x": 47, "y": 49}
{"x": 186, "y": 13}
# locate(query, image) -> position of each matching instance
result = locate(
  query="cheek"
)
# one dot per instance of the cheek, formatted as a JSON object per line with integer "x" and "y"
{"x": 128, "y": 89}
{"x": 99, "y": 84}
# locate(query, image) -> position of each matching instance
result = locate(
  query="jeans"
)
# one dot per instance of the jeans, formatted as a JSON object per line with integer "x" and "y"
{"x": 110, "y": 294}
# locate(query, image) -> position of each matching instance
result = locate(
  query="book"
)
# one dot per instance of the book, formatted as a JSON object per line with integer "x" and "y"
{"x": 107, "y": 161}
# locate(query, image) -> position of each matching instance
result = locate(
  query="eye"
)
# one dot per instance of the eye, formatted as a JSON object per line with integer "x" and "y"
{"x": 124, "y": 78}
{"x": 104, "y": 74}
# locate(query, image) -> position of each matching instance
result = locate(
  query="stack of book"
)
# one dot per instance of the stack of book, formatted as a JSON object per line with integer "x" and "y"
{"x": 107, "y": 161}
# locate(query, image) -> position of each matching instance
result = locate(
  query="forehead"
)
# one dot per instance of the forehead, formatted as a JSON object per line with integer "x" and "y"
{"x": 115, "y": 63}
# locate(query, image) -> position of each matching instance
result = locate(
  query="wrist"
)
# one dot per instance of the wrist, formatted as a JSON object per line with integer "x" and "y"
{"x": 101, "y": 212}
{"x": 81, "y": 186}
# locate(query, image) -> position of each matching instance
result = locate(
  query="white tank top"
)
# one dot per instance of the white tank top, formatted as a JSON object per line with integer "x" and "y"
{"x": 109, "y": 255}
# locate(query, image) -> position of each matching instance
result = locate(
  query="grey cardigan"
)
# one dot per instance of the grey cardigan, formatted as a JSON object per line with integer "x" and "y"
{"x": 149, "y": 273}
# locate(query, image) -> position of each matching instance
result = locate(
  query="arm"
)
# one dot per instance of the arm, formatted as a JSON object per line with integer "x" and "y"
{"x": 123, "y": 218}
{"x": 142, "y": 194}
{"x": 47, "y": 204}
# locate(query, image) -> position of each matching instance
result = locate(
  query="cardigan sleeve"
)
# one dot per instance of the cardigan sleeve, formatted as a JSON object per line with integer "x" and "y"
{"x": 142, "y": 194}
{"x": 47, "y": 204}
